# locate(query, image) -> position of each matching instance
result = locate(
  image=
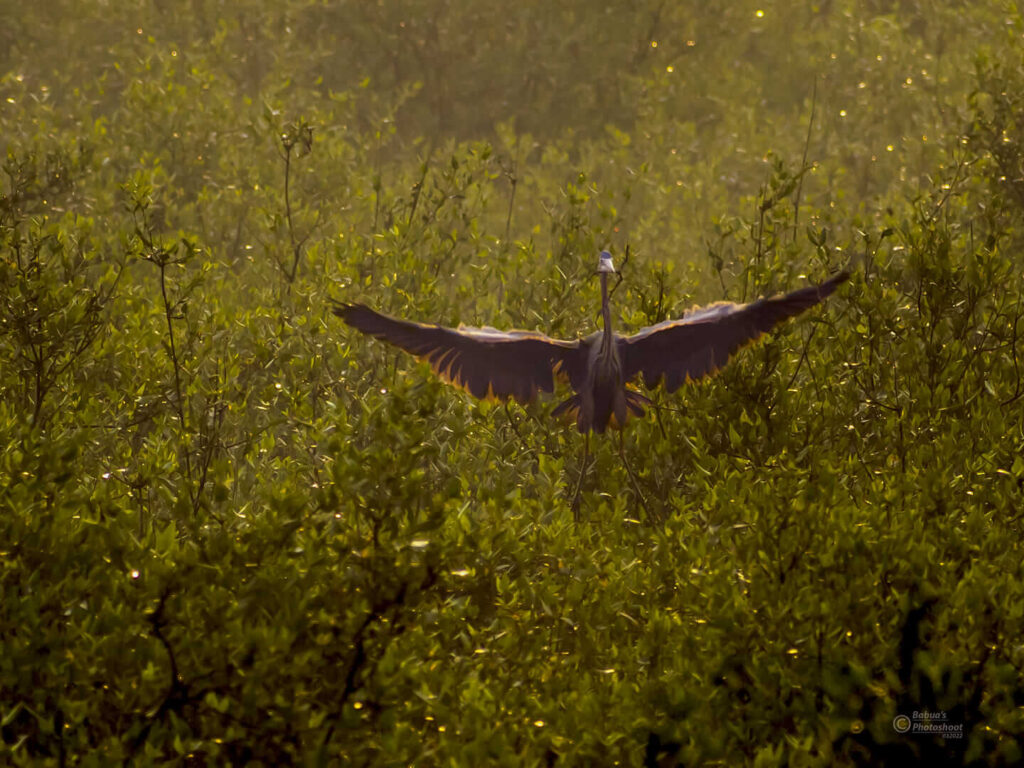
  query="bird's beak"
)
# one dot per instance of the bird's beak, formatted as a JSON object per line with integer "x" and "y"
{"x": 605, "y": 263}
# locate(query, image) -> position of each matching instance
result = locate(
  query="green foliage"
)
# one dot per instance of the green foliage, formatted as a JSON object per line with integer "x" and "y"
{"x": 233, "y": 532}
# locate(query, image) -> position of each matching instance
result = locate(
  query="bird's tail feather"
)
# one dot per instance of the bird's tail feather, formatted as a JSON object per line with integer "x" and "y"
{"x": 635, "y": 403}
{"x": 571, "y": 405}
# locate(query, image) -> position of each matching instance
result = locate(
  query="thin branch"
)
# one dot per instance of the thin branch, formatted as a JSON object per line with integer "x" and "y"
{"x": 803, "y": 161}
{"x": 513, "y": 179}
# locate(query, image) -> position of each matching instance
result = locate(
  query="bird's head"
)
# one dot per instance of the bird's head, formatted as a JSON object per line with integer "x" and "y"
{"x": 605, "y": 263}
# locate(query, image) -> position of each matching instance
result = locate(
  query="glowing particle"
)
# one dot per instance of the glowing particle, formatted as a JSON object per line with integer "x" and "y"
{"x": 669, "y": 69}
{"x": 759, "y": 13}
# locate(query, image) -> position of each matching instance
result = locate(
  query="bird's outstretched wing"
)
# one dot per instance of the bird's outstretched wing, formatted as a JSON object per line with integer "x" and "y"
{"x": 486, "y": 362}
{"x": 702, "y": 341}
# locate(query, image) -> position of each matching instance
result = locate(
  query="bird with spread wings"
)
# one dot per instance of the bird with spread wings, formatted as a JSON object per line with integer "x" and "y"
{"x": 489, "y": 363}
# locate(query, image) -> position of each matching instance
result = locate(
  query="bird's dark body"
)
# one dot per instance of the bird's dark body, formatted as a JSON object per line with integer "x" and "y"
{"x": 517, "y": 364}
{"x": 604, "y": 392}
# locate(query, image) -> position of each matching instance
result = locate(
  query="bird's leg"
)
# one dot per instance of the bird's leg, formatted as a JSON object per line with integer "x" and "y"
{"x": 632, "y": 478}
{"x": 661, "y": 426}
{"x": 579, "y": 483}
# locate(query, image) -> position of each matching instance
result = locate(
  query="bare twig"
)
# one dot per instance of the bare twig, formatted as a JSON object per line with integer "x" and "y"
{"x": 803, "y": 160}
{"x": 299, "y": 134}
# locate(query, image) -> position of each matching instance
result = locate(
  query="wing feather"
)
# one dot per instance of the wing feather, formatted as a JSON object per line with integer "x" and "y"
{"x": 485, "y": 362}
{"x": 701, "y": 342}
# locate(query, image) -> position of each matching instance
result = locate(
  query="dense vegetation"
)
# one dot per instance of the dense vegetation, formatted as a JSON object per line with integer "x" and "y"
{"x": 233, "y": 531}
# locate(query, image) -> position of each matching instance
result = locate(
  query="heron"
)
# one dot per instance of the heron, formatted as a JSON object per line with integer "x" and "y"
{"x": 599, "y": 368}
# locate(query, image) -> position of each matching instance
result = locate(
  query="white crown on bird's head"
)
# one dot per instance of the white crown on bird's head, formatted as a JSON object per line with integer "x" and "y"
{"x": 605, "y": 263}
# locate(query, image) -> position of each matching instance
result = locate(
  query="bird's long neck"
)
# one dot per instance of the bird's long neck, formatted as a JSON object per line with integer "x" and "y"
{"x": 606, "y": 312}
